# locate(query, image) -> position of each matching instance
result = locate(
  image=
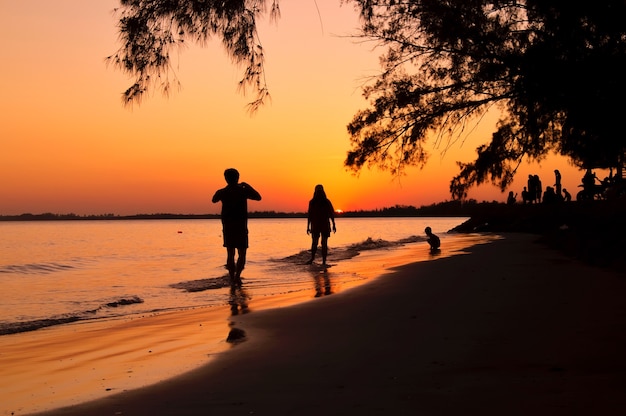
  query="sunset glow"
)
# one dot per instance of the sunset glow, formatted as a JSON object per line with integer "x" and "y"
{"x": 69, "y": 146}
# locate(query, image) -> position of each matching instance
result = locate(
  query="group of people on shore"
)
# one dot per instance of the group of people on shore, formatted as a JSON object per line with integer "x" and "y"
{"x": 534, "y": 193}
{"x": 234, "y": 198}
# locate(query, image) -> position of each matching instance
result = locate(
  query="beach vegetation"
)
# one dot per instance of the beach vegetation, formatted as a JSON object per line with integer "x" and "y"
{"x": 551, "y": 69}
{"x": 151, "y": 30}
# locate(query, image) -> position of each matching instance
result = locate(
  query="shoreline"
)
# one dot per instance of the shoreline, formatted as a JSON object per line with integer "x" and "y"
{"x": 86, "y": 360}
{"x": 486, "y": 331}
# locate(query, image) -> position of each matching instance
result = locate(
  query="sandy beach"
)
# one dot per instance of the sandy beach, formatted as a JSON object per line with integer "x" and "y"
{"x": 507, "y": 327}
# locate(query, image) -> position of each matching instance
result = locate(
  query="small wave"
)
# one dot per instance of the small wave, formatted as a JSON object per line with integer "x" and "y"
{"x": 25, "y": 326}
{"x": 202, "y": 284}
{"x": 412, "y": 239}
{"x": 353, "y": 250}
{"x": 371, "y": 244}
{"x": 35, "y": 268}
{"x": 17, "y": 327}
{"x": 300, "y": 257}
{"x": 124, "y": 301}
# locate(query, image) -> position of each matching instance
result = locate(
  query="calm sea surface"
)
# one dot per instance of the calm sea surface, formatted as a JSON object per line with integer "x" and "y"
{"x": 64, "y": 271}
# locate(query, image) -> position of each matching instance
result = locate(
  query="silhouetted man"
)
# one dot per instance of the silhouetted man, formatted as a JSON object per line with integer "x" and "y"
{"x": 234, "y": 199}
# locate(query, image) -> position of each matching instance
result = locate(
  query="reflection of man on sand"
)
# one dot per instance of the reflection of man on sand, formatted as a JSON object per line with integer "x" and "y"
{"x": 322, "y": 285}
{"x": 238, "y": 300}
{"x": 433, "y": 240}
{"x": 234, "y": 199}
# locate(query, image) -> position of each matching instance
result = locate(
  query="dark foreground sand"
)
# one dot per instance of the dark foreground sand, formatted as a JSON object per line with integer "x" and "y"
{"x": 511, "y": 328}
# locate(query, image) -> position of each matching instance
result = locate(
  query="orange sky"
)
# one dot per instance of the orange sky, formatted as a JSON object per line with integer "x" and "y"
{"x": 69, "y": 146}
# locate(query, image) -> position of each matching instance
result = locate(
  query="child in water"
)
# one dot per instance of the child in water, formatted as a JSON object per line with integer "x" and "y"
{"x": 433, "y": 240}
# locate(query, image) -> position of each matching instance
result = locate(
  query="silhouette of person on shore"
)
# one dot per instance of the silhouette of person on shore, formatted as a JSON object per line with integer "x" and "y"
{"x": 320, "y": 216}
{"x": 590, "y": 189}
{"x": 557, "y": 183}
{"x": 550, "y": 196}
{"x": 432, "y": 239}
{"x": 511, "y": 199}
{"x": 532, "y": 189}
{"x": 234, "y": 198}
{"x": 589, "y": 179}
{"x": 538, "y": 188}
{"x": 526, "y": 196}
{"x": 566, "y": 195}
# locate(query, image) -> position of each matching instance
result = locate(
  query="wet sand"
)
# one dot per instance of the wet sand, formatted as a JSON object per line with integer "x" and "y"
{"x": 510, "y": 327}
{"x": 69, "y": 364}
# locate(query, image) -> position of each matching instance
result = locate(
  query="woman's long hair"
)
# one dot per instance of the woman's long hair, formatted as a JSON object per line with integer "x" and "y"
{"x": 319, "y": 194}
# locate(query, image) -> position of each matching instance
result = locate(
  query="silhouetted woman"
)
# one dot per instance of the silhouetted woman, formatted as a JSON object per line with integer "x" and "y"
{"x": 320, "y": 215}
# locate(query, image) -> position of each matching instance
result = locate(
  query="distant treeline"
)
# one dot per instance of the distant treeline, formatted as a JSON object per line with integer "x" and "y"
{"x": 441, "y": 209}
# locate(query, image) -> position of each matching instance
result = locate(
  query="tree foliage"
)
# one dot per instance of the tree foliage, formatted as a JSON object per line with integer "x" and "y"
{"x": 150, "y": 30}
{"x": 553, "y": 68}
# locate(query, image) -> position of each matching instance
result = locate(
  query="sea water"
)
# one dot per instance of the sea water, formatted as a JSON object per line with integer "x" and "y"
{"x": 55, "y": 272}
